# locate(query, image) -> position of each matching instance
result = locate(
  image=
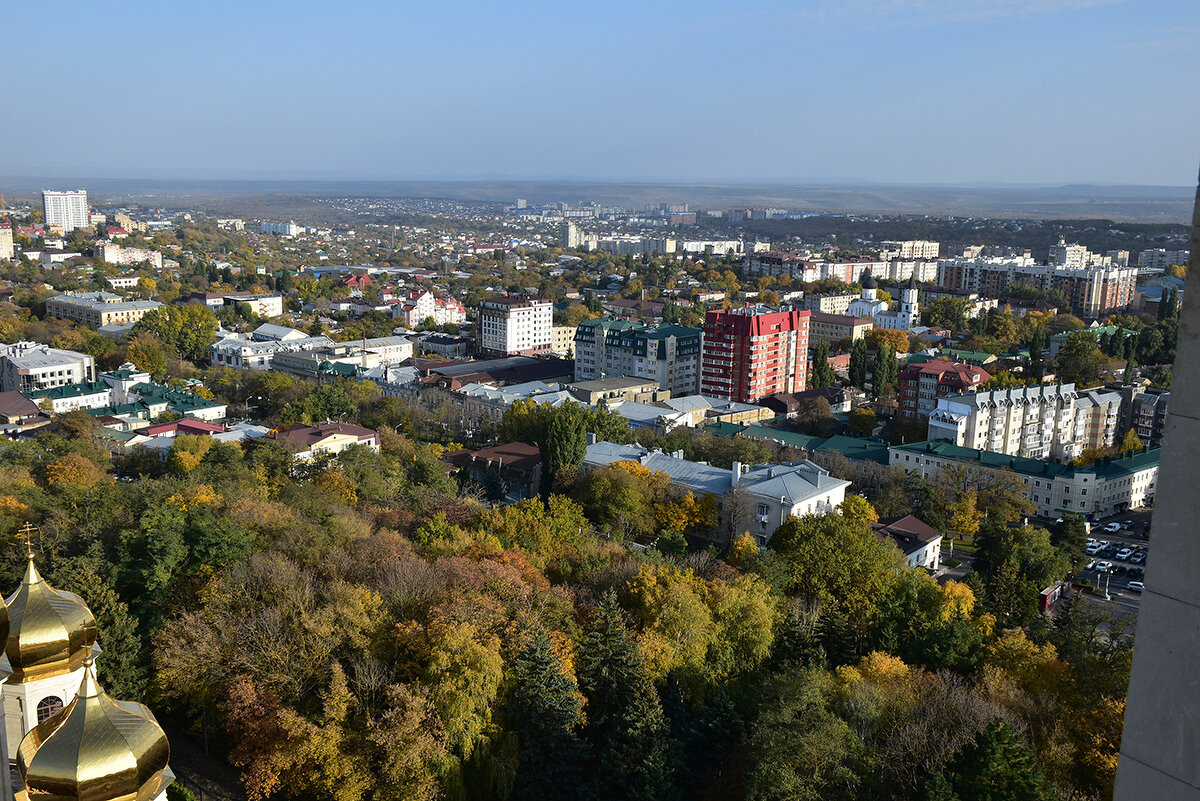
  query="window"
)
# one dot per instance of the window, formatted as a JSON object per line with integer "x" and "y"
{"x": 48, "y": 707}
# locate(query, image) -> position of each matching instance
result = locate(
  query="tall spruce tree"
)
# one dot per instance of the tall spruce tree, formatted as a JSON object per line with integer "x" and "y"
{"x": 545, "y": 710}
{"x": 1037, "y": 349}
{"x": 858, "y": 363}
{"x": 822, "y": 373}
{"x": 997, "y": 766}
{"x": 626, "y": 728}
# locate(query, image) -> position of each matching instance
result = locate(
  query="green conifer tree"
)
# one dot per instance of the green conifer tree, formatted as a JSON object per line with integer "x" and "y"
{"x": 626, "y": 728}
{"x": 545, "y": 710}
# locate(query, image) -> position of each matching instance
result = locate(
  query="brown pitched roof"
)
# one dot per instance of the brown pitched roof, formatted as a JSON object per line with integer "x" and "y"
{"x": 910, "y": 533}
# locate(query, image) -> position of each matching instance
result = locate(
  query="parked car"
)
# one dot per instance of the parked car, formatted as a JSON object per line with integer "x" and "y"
{"x": 1124, "y": 553}
{"x": 1092, "y": 550}
{"x": 1138, "y": 558}
{"x": 1136, "y": 586}
{"x": 1112, "y": 528}
{"x": 1104, "y": 566}
{"x": 1091, "y": 565}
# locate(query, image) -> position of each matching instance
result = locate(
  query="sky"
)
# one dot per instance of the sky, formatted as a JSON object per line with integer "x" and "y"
{"x": 806, "y": 91}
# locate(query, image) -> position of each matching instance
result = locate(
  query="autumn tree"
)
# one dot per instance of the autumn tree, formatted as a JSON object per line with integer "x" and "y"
{"x": 189, "y": 328}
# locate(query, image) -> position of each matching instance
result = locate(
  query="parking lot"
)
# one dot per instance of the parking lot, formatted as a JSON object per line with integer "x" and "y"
{"x": 1116, "y": 559}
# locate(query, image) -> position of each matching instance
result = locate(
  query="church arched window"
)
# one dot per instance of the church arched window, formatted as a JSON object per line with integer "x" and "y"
{"x": 48, "y": 707}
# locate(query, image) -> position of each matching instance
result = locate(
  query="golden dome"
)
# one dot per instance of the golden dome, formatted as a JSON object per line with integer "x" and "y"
{"x": 50, "y": 632}
{"x": 95, "y": 749}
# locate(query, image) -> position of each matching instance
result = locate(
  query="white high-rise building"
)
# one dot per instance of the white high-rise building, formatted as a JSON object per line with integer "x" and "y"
{"x": 516, "y": 325}
{"x": 66, "y": 209}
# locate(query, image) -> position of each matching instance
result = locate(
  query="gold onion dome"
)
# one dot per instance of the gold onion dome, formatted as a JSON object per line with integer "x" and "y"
{"x": 95, "y": 749}
{"x": 50, "y": 632}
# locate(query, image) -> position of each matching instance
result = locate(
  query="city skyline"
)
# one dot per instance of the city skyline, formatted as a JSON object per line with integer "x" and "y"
{"x": 905, "y": 91}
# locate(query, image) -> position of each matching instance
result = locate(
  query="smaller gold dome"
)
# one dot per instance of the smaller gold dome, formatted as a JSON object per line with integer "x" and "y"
{"x": 95, "y": 749}
{"x": 50, "y": 632}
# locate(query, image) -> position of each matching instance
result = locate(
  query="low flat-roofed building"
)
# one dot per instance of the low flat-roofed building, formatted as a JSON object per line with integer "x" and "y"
{"x": 619, "y": 388}
{"x": 26, "y": 366}
{"x": 97, "y": 309}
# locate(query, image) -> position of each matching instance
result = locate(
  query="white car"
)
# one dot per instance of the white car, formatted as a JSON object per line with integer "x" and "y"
{"x": 1104, "y": 566}
{"x": 1112, "y": 528}
{"x": 1136, "y": 586}
{"x": 1124, "y": 553}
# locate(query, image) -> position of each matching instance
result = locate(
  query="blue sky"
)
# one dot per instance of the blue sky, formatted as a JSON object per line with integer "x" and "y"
{"x": 941, "y": 91}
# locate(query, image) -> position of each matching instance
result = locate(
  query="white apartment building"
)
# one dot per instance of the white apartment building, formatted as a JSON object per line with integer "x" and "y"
{"x": 288, "y": 228}
{"x": 830, "y": 304}
{"x": 113, "y": 253}
{"x": 98, "y": 309}
{"x": 68, "y": 210}
{"x": 669, "y": 354}
{"x": 516, "y": 325}
{"x": 420, "y": 305}
{"x": 231, "y": 224}
{"x": 926, "y": 271}
{"x": 122, "y": 281}
{"x": 1033, "y": 422}
{"x": 1093, "y": 290}
{"x": 251, "y": 354}
{"x": 1161, "y": 259}
{"x": 1064, "y": 255}
{"x": 26, "y": 366}
{"x": 909, "y": 249}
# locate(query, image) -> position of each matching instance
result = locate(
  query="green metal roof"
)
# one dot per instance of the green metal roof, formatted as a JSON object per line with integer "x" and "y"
{"x": 1112, "y": 467}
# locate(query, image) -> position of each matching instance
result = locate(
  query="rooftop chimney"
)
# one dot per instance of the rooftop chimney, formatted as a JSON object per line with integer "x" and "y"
{"x": 591, "y": 438}
{"x": 737, "y": 472}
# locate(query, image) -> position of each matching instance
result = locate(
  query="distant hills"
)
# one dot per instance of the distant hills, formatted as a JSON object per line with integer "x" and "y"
{"x": 1077, "y": 201}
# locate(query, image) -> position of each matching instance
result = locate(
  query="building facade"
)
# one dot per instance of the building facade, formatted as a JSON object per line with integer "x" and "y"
{"x": 824, "y": 327}
{"x": 1109, "y": 486}
{"x": 909, "y": 249}
{"x": 515, "y": 325}
{"x": 67, "y": 210}
{"x": 923, "y": 385}
{"x": 668, "y": 354}
{"x": 754, "y": 351}
{"x": 26, "y": 366}
{"x": 113, "y": 253}
{"x": 98, "y": 309}
{"x": 7, "y": 250}
{"x": 1092, "y": 289}
{"x": 1032, "y": 422}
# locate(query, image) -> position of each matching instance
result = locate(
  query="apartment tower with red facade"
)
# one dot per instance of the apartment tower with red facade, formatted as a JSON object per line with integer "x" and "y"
{"x": 753, "y": 352}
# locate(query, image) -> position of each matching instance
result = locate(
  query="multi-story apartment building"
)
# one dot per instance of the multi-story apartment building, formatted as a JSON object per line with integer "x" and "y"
{"x": 67, "y": 210}
{"x": 923, "y": 385}
{"x": 1092, "y": 290}
{"x": 515, "y": 325}
{"x": 824, "y": 327}
{"x": 1064, "y": 255}
{"x": 288, "y": 228}
{"x": 1100, "y": 410}
{"x": 1109, "y": 486}
{"x": 1161, "y": 259}
{"x": 1032, "y": 422}
{"x": 26, "y": 366}
{"x": 6, "y": 239}
{"x": 113, "y": 253}
{"x": 420, "y": 305}
{"x": 754, "y": 351}
{"x": 924, "y": 270}
{"x": 850, "y": 271}
{"x": 98, "y": 309}
{"x": 668, "y": 354}
{"x": 909, "y": 249}
{"x": 562, "y": 340}
{"x": 792, "y": 265}
{"x": 1149, "y": 415}
{"x": 123, "y": 220}
{"x": 830, "y": 304}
